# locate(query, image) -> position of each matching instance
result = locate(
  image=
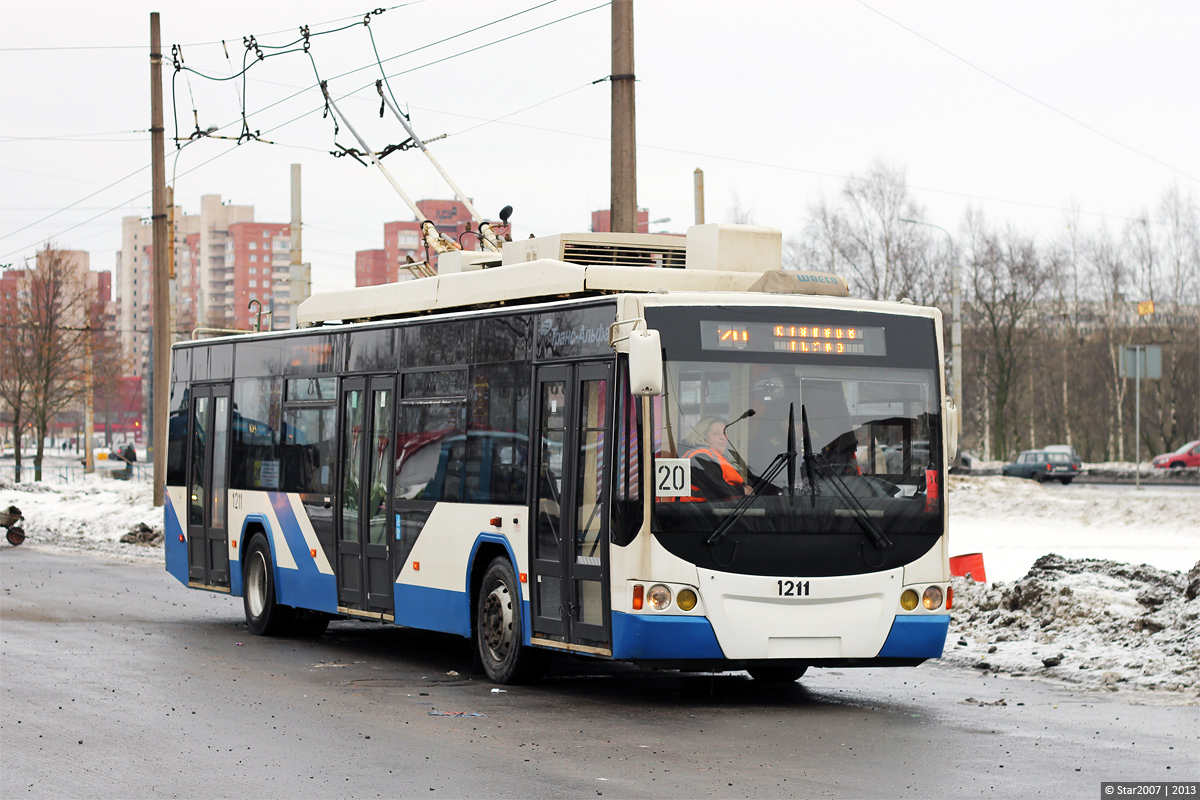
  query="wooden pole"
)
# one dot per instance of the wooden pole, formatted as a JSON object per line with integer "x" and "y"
{"x": 623, "y": 209}
{"x": 161, "y": 335}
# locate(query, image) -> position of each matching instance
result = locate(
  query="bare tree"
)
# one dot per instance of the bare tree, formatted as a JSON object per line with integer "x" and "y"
{"x": 15, "y": 344}
{"x": 866, "y": 238}
{"x": 57, "y": 316}
{"x": 1006, "y": 277}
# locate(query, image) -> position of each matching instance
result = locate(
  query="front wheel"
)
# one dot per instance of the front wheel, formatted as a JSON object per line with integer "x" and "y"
{"x": 777, "y": 673}
{"x": 498, "y": 630}
{"x": 264, "y": 616}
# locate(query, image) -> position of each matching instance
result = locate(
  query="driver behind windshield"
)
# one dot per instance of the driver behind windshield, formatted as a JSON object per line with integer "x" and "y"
{"x": 714, "y": 477}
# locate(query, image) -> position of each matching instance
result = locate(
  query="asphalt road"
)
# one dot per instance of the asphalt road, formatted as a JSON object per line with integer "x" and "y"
{"x": 119, "y": 682}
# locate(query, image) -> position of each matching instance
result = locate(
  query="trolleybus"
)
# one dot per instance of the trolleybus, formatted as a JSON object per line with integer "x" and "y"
{"x": 635, "y": 447}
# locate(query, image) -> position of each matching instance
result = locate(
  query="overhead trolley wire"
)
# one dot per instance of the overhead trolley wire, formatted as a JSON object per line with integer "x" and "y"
{"x": 1029, "y": 96}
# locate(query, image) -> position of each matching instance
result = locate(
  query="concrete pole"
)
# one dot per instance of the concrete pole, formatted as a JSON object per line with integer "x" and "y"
{"x": 161, "y": 335}
{"x": 623, "y": 209}
{"x": 698, "y": 191}
{"x": 89, "y": 389}
{"x": 295, "y": 295}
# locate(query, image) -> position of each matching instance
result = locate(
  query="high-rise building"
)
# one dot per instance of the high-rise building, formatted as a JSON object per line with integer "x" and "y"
{"x": 257, "y": 256}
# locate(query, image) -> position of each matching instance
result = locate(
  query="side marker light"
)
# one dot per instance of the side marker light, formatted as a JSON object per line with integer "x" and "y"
{"x": 949, "y": 597}
{"x": 524, "y": 578}
{"x": 416, "y": 566}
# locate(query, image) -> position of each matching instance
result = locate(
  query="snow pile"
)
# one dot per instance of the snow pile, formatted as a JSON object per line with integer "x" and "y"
{"x": 1085, "y": 621}
{"x": 1015, "y": 521}
{"x": 89, "y": 515}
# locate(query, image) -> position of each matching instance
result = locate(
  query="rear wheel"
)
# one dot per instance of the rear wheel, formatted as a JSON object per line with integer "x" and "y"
{"x": 777, "y": 673}
{"x": 498, "y": 631}
{"x": 264, "y": 616}
{"x": 15, "y": 536}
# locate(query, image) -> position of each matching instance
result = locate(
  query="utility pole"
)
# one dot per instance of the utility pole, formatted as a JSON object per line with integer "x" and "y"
{"x": 698, "y": 191}
{"x": 89, "y": 389}
{"x": 623, "y": 206}
{"x": 161, "y": 336}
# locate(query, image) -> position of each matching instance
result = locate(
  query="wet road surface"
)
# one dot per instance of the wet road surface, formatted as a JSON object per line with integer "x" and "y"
{"x": 119, "y": 682}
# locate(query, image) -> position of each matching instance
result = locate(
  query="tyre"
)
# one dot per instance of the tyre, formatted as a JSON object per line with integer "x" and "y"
{"x": 1066, "y": 481}
{"x": 499, "y": 635}
{"x": 264, "y": 616}
{"x": 777, "y": 673}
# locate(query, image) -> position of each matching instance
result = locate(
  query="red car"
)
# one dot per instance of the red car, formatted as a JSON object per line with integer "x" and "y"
{"x": 1186, "y": 456}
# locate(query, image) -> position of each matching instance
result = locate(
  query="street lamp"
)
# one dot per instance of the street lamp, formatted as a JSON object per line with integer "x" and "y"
{"x": 956, "y": 311}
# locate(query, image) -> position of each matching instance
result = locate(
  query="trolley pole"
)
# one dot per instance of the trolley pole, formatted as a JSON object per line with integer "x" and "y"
{"x": 623, "y": 205}
{"x": 161, "y": 336}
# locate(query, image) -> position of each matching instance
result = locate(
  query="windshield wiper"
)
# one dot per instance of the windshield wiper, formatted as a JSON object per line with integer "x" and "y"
{"x": 857, "y": 510}
{"x": 787, "y": 457}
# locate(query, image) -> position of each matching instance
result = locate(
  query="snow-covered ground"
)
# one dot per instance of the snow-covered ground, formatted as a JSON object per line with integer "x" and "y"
{"x": 1013, "y": 522}
{"x": 1108, "y": 609}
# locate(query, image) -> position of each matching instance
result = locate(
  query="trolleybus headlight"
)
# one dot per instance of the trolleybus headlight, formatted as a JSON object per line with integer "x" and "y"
{"x": 686, "y": 600}
{"x": 932, "y": 598}
{"x": 908, "y": 600}
{"x": 659, "y": 597}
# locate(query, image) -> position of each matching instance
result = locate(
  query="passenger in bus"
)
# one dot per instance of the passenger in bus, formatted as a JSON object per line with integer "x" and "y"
{"x": 714, "y": 477}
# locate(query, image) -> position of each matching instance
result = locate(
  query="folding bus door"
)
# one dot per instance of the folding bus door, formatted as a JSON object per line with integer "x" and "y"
{"x": 570, "y": 508}
{"x": 364, "y": 517}
{"x": 208, "y": 486}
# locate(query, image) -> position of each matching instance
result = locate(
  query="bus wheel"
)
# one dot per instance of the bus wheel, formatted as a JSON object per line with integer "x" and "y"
{"x": 777, "y": 673}
{"x": 498, "y": 633}
{"x": 264, "y": 616}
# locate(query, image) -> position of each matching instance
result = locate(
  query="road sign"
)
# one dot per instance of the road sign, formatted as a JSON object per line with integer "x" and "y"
{"x": 1145, "y": 307}
{"x": 1141, "y": 361}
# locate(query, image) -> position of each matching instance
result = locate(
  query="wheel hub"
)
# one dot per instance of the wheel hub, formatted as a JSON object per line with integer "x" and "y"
{"x": 497, "y": 622}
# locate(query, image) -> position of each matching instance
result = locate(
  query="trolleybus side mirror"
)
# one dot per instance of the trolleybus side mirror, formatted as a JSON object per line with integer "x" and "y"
{"x": 953, "y": 429}
{"x": 645, "y": 363}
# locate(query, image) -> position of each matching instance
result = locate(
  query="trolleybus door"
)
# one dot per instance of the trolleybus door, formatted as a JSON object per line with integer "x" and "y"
{"x": 364, "y": 517}
{"x": 570, "y": 506}
{"x": 208, "y": 485}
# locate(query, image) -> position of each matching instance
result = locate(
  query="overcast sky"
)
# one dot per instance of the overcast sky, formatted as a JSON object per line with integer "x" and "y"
{"x": 1021, "y": 109}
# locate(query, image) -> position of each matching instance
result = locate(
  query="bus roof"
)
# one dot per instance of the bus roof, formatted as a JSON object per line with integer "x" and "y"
{"x": 712, "y": 258}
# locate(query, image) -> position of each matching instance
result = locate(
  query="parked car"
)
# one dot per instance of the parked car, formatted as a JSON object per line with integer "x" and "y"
{"x": 1186, "y": 456}
{"x": 1041, "y": 465}
{"x": 1069, "y": 449}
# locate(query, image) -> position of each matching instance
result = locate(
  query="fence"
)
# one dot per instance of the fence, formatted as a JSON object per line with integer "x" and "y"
{"x": 71, "y": 473}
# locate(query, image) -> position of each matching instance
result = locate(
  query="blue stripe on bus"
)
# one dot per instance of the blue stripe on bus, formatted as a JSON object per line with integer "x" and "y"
{"x": 175, "y": 543}
{"x": 642, "y": 636}
{"x": 432, "y": 609}
{"x": 921, "y": 636}
{"x": 305, "y": 586}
